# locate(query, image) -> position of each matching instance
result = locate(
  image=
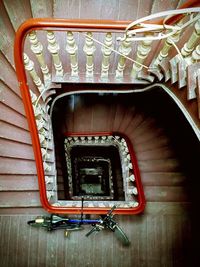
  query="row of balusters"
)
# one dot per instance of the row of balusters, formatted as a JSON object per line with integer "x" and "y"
{"x": 189, "y": 52}
{"x": 45, "y": 135}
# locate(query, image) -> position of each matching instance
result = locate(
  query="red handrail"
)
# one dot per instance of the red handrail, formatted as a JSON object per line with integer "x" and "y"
{"x": 76, "y": 25}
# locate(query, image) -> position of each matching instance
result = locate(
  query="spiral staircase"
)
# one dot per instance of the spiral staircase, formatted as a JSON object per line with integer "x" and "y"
{"x": 88, "y": 83}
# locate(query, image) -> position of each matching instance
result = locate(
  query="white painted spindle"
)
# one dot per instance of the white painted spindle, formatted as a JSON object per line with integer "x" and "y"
{"x": 54, "y": 48}
{"x": 125, "y": 49}
{"x": 195, "y": 56}
{"x": 106, "y": 51}
{"x": 142, "y": 52}
{"x": 72, "y": 48}
{"x": 89, "y": 50}
{"x": 168, "y": 45}
{"x": 33, "y": 97}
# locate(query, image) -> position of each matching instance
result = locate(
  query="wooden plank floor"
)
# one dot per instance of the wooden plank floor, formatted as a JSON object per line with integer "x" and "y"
{"x": 156, "y": 240}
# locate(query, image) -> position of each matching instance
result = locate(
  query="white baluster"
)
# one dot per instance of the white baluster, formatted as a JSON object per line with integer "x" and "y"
{"x": 40, "y": 124}
{"x": 125, "y": 49}
{"x": 168, "y": 45}
{"x": 29, "y": 66}
{"x": 133, "y": 204}
{"x": 190, "y": 44}
{"x": 142, "y": 52}
{"x": 38, "y": 111}
{"x": 37, "y": 49}
{"x": 47, "y": 167}
{"x": 195, "y": 56}
{"x": 89, "y": 50}
{"x": 106, "y": 51}
{"x": 53, "y": 48}
{"x": 132, "y": 178}
{"x": 50, "y": 195}
{"x": 33, "y": 97}
{"x": 49, "y": 179}
{"x": 45, "y": 154}
{"x": 71, "y": 48}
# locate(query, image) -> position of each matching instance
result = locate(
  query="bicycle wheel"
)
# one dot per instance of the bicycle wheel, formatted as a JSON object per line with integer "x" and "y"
{"x": 121, "y": 236}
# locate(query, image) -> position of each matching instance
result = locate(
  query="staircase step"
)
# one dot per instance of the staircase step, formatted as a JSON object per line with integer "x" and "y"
{"x": 182, "y": 73}
{"x": 144, "y": 75}
{"x": 157, "y": 73}
{"x": 165, "y": 68}
{"x": 174, "y": 68}
{"x": 192, "y": 72}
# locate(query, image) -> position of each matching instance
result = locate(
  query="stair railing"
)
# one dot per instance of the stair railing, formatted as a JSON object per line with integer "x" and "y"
{"x": 37, "y": 110}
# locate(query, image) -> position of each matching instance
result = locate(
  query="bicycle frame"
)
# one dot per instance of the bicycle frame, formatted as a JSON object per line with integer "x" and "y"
{"x": 83, "y": 221}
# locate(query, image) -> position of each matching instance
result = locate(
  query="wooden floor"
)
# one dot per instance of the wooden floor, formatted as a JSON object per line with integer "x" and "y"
{"x": 156, "y": 240}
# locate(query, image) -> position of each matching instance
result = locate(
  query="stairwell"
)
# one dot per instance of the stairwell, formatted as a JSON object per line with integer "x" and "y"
{"x": 162, "y": 121}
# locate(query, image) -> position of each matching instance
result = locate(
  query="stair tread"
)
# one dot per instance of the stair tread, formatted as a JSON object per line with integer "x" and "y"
{"x": 165, "y": 67}
{"x": 156, "y": 72}
{"x": 174, "y": 68}
{"x": 192, "y": 80}
{"x": 182, "y": 67}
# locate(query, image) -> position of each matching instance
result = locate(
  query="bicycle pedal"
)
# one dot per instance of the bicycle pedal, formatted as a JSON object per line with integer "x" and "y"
{"x": 66, "y": 233}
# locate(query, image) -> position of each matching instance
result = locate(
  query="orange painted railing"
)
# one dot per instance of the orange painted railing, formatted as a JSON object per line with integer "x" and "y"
{"x": 62, "y": 24}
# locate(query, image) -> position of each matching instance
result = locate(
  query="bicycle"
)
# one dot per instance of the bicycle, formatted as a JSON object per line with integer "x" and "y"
{"x": 55, "y": 222}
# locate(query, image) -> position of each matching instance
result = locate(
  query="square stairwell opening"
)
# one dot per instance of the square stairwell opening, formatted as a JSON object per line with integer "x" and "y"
{"x": 99, "y": 167}
{"x": 94, "y": 172}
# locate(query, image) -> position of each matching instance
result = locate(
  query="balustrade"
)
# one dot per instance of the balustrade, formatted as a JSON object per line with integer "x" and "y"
{"x": 107, "y": 48}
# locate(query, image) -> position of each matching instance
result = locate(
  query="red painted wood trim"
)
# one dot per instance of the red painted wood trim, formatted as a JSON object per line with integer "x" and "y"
{"x": 61, "y": 24}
